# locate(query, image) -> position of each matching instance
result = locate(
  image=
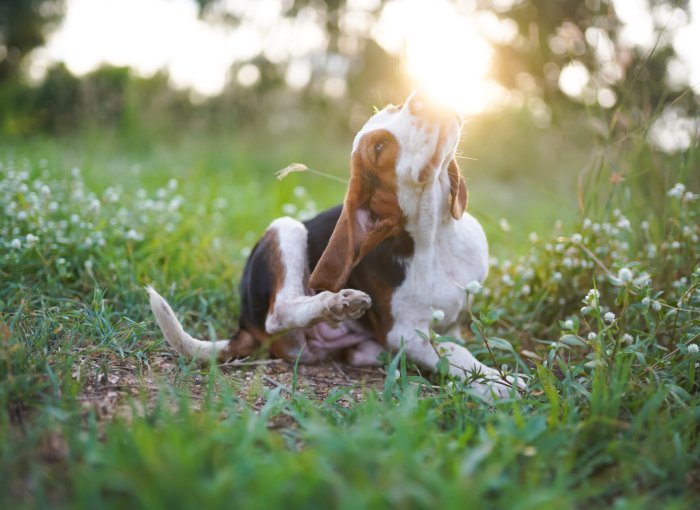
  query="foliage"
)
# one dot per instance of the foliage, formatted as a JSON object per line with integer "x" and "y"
{"x": 23, "y": 27}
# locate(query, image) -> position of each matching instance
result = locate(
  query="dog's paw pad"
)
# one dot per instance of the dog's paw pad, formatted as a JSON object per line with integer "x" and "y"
{"x": 347, "y": 304}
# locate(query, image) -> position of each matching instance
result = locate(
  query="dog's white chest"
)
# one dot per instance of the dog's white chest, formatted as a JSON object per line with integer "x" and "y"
{"x": 438, "y": 272}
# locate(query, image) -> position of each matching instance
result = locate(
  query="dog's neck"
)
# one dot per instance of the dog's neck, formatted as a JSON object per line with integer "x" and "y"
{"x": 427, "y": 210}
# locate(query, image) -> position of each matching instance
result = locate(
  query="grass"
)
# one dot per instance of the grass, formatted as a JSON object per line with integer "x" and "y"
{"x": 94, "y": 412}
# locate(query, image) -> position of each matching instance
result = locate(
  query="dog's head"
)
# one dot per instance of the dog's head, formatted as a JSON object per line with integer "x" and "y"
{"x": 401, "y": 153}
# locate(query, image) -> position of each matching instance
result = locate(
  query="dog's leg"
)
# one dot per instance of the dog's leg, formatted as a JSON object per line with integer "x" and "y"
{"x": 293, "y": 306}
{"x": 365, "y": 354}
{"x": 462, "y": 363}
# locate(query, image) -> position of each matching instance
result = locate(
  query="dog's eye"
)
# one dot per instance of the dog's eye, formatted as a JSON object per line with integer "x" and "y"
{"x": 372, "y": 216}
{"x": 378, "y": 148}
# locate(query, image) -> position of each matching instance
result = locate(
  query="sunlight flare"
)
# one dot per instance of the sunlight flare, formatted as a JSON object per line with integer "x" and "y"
{"x": 445, "y": 54}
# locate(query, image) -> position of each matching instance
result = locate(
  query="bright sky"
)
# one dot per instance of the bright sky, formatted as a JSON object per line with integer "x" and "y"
{"x": 149, "y": 35}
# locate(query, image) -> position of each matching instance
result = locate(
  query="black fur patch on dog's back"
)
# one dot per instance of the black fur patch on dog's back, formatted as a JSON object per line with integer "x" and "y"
{"x": 380, "y": 271}
{"x": 257, "y": 285}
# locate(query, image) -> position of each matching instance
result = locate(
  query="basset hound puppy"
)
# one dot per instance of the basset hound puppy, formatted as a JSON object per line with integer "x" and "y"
{"x": 366, "y": 275}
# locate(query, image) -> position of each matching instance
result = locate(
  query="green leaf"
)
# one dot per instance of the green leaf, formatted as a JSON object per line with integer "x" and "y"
{"x": 573, "y": 340}
{"x": 500, "y": 344}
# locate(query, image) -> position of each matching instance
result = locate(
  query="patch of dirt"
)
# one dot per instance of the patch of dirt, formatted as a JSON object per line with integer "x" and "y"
{"x": 117, "y": 387}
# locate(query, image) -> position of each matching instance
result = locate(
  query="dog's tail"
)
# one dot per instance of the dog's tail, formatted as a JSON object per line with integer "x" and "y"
{"x": 177, "y": 337}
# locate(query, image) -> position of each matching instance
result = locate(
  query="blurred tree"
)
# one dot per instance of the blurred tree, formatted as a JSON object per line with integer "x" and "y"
{"x": 556, "y": 40}
{"x": 23, "y": 27}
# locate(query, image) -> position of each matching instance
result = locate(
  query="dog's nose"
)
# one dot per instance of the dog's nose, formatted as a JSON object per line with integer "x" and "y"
{"x": 421, "y": 104}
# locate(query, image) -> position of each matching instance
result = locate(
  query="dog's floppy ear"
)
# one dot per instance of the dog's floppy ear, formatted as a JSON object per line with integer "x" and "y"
{"x": 337, "y": 260}
{"x": 458, "y": 191}
{"x": 356, "y": 234}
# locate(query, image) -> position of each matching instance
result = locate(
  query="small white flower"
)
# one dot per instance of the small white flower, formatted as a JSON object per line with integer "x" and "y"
{"x": 645, "y": 225}
{"x": 567, "y": 262}
{"x": 609, "y": 317}
{"x": 533, "y": 237}
{"x": 438, "y": 315}
{"x": 474, "y": 287}
{"x": 505, "y": 226}
{"x": 172, "y": 184}
{"x": 627, "y": 338}
{"x": 568, "y": 324}
{"x": 656, "y": 306}
{"x": 31, "y": 240}
{"x": 16, "y": 244}
{"x": 586, "y": 223}
{"x": 289, "y": 209}
{"x": 576, "y": 238}
{"x": 88, "y": 265}
{"x": 74, "y": 218}
{"x": 22, "y": 215}
{"x": 556, "y": 276}
{"x": 592, "y": 297}
{"x": 677, "y": 191}
{"x": 646, "y": 301}
{"x": 75, "y": 172}
{"x": 624, "y": 275}
{"x": 525, "y": 291}
{"x": 592, "y": 336}
{"x": 507, "y": 280}
{"x": 132, "y": 234}
{"x": 586, "y": 310}
{"x": 693, "y": 349}
{"x": 689, "y": 196}
{"x": 675, "y": 245}
{"x": 299, "y": 191}
{"x": 397, "y": 375}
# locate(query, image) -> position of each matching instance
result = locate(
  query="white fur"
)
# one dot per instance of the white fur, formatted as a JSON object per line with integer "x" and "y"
{"x": 293, "y": 307}
{"x": 448, "y": 253}
{"x": 179, "y": 340}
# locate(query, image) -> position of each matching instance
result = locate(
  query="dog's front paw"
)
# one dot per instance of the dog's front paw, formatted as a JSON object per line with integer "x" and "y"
{"x": 492, "y": 387}
{"x": 346, "y": 304}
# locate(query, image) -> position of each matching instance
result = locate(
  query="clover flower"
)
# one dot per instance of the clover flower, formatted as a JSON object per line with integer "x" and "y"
{"x": 16, "y": 244}
{"x": 609, "y": 317}
{"x": 592, "y": 297}
{"x": 677, "y": 190}
{"x": 474, "y": 287}
{"x": 693, "y": 349}
{"x": 592, "y": 336}
{"x": 438, "y": 315}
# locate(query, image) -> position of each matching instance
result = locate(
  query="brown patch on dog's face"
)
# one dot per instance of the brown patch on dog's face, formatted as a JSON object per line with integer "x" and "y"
{"x": 371, "y": 211}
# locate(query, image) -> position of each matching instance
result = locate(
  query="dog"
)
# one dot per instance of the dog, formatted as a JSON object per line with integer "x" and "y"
{"x": 371, "y": 274}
